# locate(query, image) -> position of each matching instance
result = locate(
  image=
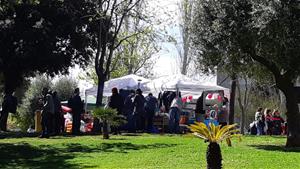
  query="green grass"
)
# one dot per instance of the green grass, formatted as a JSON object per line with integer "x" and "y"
{"x": 143, "y": 152}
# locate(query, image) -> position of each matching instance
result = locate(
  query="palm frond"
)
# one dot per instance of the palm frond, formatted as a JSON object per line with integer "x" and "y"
{"x": 214, "y": 133}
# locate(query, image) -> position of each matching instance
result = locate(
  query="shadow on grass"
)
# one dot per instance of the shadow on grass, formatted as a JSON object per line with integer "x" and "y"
{"x": 113, "y": 147}
{"x": 6, "y": 135}
{"x": 275, "y": 148}
{"x": 24, "y": 155}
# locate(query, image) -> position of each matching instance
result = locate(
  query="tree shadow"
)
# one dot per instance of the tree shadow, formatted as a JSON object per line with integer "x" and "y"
{"x": 7, "y": 135}
{"x": 280, "y": 148}
{"x": 24, "y": 155}
{"x": 113, "y": 147}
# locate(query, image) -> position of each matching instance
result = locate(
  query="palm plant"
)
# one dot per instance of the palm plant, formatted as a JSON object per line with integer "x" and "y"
{"x": 108, "y": 116}
{"x": 214, "y": 135}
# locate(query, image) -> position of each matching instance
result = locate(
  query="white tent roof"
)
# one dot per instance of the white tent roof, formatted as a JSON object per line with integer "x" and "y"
{"x": 186, "y": 85}
{"x": 126, "y": 82}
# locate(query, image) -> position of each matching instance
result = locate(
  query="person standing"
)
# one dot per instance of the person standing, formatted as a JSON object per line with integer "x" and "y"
{"x": 174, "y": 114}
{"x": 76, "y": 104}
{"x": 150, "y": 106}
{"x": 268, "y": 121}
{"x": 199, "y": 112}
{"x": 9, "y": 104}
{"x": 128, "y": 112}
{"x": 58, "y": 116}
{"x": 116, "y": 102}
{"x": 259, "y": 121}
{"x": 139, "y": 110}
{"x": 47, "y": 112}
{"x": 223, "y": 113}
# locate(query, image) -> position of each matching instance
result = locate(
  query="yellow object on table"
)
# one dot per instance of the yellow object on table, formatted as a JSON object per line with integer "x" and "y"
{"x": 38, "y": 120}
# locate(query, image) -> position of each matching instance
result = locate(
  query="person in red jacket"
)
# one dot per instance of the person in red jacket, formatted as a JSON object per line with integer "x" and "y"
{"x": 268, "y": 121}
{"x": 277, "y": 122}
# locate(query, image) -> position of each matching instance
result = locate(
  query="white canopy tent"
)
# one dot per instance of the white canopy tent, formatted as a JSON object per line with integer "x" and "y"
{"x": 126, "y": 82}
{"x": 186, "y": 85}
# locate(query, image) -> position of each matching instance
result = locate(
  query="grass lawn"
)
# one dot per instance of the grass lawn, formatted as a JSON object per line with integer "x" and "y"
{"x": 143, "y": 152}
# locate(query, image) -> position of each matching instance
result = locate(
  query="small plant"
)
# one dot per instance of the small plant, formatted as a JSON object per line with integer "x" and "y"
{"x": 214, "y": 135}
{"x": 108, "y": 116}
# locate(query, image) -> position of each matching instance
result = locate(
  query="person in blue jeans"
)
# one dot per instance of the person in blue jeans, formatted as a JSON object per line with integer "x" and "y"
{"x": 174, "y": 113}
{"x": 259, "y": 121}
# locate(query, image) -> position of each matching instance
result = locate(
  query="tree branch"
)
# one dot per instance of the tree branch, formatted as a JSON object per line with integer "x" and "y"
{"x": 127, "y": 37}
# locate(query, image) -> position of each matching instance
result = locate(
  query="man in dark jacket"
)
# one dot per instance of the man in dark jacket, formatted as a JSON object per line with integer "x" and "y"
{"x": 139, "y": 109}
{"x": 76, "y": 104}
{"x": 128, "y": 112}
{"x": 116, "y": 102}
{"x": 9, "y": 105}
{"x": 150, "y": 107}
{"x": 58, "y": 116}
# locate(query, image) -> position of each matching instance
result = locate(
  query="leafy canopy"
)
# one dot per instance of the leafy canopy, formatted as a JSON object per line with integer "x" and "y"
{"x": 45, "y": 37}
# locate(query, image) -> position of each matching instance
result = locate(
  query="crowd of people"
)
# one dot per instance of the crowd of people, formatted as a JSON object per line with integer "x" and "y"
{"x": 52, "y": 121}
{"x": 139, "y": 112}
{"x": 268, "y": 123}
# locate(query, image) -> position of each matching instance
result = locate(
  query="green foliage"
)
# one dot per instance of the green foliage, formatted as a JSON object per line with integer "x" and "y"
{"x": 45, "y": 37}
{"x": 65, "y": 87}
{"x": 213, "y": 22}
{"x": 110, "y": 115}
{"x": 238, "y": 32}
{"x": 30, "y": 103}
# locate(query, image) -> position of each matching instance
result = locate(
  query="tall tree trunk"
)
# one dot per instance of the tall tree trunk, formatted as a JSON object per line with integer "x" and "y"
{"x": 243, "y": 114}
{"x": 100, "y": 91}
{"x": 232, "y": 98}
{"x": 214, "y": 156}
{"x": 293, "y": 117}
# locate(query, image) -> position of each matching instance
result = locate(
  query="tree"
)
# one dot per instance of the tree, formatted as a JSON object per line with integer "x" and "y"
{"x": 65, "y": 87}
{"x": 244, "y": 99}
{"x": 264, "y": 32}
{"x": 135, "y": 54}
{"x": 207, "y": 39}
{"x": 43, "y": 36}
{"x": 105, "y": 22}
{"x": 183, "y": 48}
